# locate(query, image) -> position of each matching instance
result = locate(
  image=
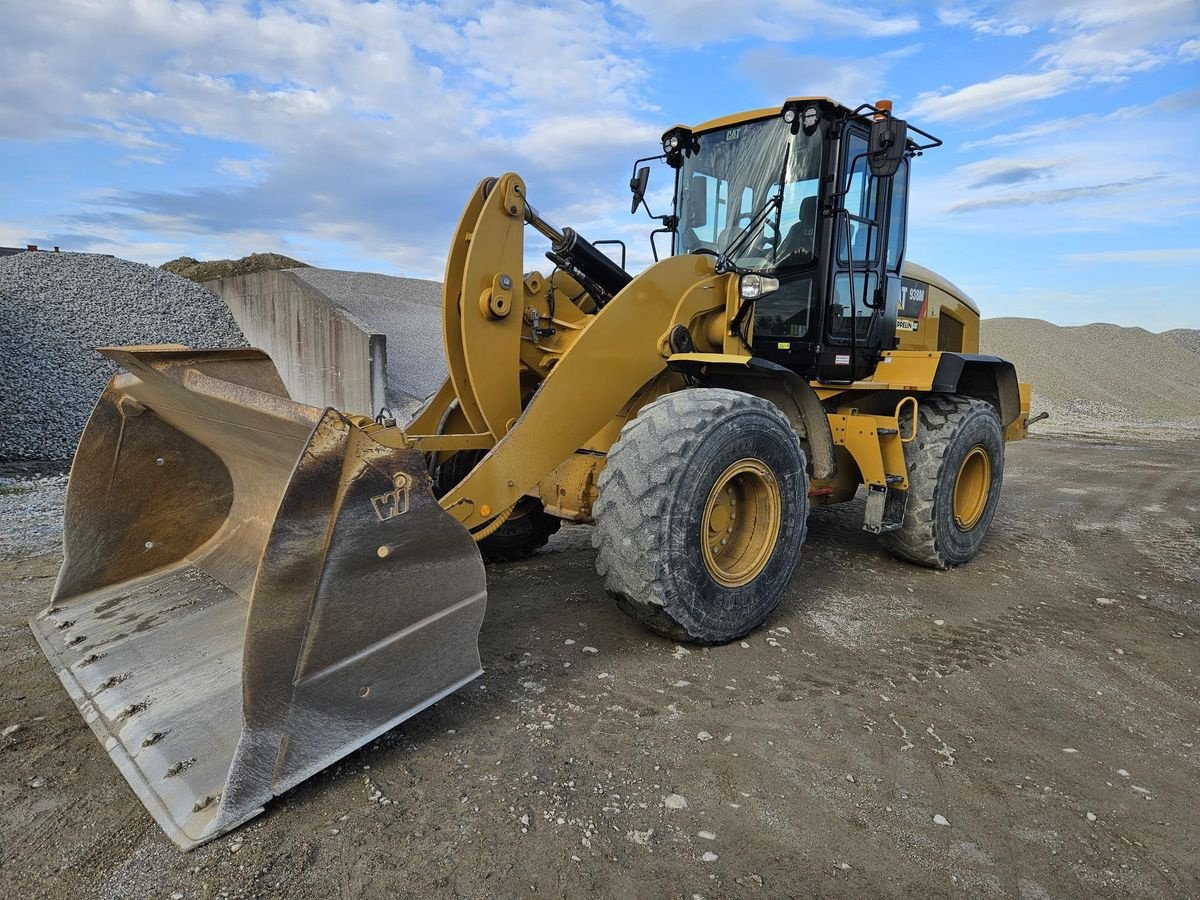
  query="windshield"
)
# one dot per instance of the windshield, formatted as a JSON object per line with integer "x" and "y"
{"x": 733, "y": 175}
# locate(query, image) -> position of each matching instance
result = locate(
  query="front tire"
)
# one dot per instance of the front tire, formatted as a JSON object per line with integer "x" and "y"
{"x": 702, "y": 510}
{"x": 955, "y": 471}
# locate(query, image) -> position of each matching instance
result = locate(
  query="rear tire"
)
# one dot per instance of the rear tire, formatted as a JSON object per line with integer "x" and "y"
{"x": 955, "y": 471}
{"x": 670, "y": 544}
{"x": 525, "y": 532}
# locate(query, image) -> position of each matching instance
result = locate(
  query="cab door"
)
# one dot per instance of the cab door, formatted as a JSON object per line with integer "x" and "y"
{"x": 864, "y": 280}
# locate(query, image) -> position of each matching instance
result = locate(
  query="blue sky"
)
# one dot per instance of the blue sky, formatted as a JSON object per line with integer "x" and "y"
{"x": 350, "y": 134}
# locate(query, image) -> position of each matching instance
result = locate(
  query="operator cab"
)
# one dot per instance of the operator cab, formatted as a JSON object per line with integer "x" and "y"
{"x": 808, "y": 205}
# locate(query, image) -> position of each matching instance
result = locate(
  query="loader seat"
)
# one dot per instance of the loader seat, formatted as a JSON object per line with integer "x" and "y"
{"x": 798, "y": 246}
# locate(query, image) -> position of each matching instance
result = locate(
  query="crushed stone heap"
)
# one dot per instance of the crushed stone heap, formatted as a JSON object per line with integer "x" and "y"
{"x": 55, "y": 309}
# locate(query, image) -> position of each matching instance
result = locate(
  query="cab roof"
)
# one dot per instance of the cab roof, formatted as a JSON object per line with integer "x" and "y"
{"x": 752, "y": 115}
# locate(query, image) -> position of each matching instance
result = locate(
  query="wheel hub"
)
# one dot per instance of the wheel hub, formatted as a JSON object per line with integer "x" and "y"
{"x": 972, "y": 487}
{"x": 741, "y": 523}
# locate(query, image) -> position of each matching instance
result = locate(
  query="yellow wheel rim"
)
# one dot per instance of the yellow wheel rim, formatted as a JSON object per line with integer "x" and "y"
{"x": 741, "y": 523}
{"x": 972, "y": 487}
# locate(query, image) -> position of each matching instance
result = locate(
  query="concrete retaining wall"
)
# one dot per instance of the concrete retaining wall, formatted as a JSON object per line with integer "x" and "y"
{"x": 325, "y": 355}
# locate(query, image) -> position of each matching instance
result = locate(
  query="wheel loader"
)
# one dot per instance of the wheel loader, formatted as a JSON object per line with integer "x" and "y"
{"x": 252, "y": 588}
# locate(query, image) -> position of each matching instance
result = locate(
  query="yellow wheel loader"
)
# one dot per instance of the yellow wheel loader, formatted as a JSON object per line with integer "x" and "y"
{"x": 252, "y": 588}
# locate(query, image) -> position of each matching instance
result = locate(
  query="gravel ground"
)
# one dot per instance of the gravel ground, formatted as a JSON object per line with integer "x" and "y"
{"x": 1102, "y": 380}
{"x": 55, "y": 308}
{"x": 409, "y": 312}
{"x": 1025, "y": 726}
{"x": 31, "y": 512}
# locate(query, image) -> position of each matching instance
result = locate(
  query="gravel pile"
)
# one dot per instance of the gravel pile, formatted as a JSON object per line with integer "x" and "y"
{"x": 409, "y": 312}
{"x": 1102, "y": 379}
{"x": 55, "y": 308}
{"x": 1188, "y": 338}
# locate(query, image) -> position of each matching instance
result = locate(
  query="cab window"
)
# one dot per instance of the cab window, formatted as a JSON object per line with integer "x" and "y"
{"x": 897, "y": 214}
{"x": 861, "y": 202}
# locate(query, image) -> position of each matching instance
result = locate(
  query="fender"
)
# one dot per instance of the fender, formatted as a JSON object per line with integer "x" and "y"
{"x": 792, "y": 394}
{"x": 987, "y": 378}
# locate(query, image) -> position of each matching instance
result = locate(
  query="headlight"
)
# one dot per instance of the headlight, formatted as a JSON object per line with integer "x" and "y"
{"x": 789, "y": 116}
{"x": 671, "y": 143}
{"x": 751, "y": 287}
{"x": 810, "y": 118}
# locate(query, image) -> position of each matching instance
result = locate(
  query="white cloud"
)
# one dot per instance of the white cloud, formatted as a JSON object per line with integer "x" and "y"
{"x": 972, "y": 18}
{"x": 1004, "y": 172}
{"x": 244, "y": 169}
{"x": 1099, "y": 179}
{"x": 696, "y": 22}
{"x": 849, "y": 81}
{"x": 1096, "y": 41}
{"x": 364, "y": 123}
{"x": 560, "y": 142}
{"x": 1004, "y": 92}
{"x": 1110, "y": 40}
{"x": 1183, "y": 103}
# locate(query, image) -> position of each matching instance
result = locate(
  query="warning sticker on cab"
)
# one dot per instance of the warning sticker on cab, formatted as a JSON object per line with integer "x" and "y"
{"x": 841, "y": 359}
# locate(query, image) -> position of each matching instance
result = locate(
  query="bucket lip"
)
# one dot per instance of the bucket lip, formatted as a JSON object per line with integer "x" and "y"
{"x": 125, "y": 763}
{"x": 217, "y": 820}
{"x": 180, "y": 351}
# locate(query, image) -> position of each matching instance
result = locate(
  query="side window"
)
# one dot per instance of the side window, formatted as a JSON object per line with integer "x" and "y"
{"x": 897, "y": 215}
{"x": 706, "y": 213}
{"x": 704, "y": 227}
{"x": 861, "y": 203}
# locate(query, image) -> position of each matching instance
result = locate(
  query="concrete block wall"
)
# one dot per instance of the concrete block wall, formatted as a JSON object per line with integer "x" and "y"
{"x": 325, "y": 355}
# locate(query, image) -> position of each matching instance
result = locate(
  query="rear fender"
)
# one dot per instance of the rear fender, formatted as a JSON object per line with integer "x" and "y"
{"x": 988, "y": 378}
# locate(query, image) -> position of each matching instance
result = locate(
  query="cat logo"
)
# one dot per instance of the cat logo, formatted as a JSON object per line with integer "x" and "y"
{"x": 731, "y": 134}
{"x": 395, "y": 502}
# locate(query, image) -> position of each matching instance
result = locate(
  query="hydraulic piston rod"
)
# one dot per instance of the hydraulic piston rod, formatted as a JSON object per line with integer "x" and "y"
{"x": 579, "y": 254}
{"x": 534, "y": 218}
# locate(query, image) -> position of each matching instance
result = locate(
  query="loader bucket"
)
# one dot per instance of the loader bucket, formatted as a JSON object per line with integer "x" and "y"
{"x": 251, "y": 588}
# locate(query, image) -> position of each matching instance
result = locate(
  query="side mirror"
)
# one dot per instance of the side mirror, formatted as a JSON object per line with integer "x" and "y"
{"x": 888, "y": 138}
{"x": 637, "y": 184}
{"x": 697, "y": 202}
